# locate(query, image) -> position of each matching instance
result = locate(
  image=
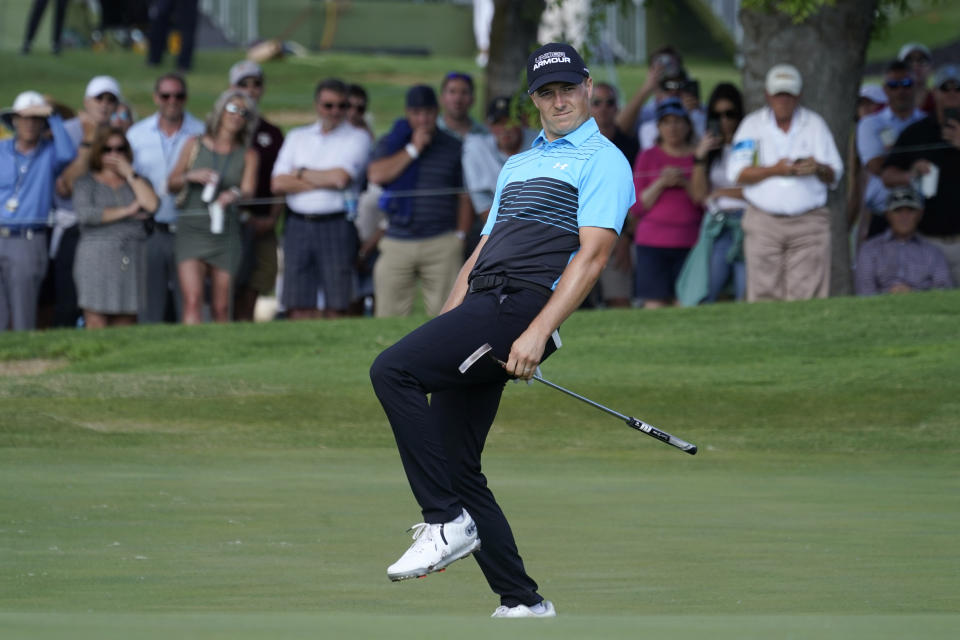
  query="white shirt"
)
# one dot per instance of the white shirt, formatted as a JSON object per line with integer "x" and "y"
{"x": 155, "y": 154}
{"x": 343, "y": 147}
{"x": 875, "y": 137}
{"x": 760, "y": 142}
{"x": 719, "y": 180}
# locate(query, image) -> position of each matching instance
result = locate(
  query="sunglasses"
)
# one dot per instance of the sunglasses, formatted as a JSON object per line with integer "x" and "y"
{"x": 120, "y": 149}
{"x": 181, "y": 96}
{"x": 335, "y": 105}
{"x": 604, "y": 102}
{"x": 359, "y": 107}
{"x": 729, "y": 114}
{"x": 106, "y": 97}
{"x": 235, "y": 109}
{"x": 903, "y": 83}
{"x": 950, "y": 86}
{"x": 250, "y": 83}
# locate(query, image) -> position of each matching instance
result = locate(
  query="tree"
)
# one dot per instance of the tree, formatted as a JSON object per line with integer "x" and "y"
{"x": 827, "y": 41}
{"x": 512, "y": 36}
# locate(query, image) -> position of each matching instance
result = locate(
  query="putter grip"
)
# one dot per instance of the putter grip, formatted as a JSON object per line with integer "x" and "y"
{"x": 662, "y": 436}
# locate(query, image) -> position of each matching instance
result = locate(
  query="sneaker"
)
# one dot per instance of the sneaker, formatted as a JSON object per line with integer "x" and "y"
{"x": 435, "y": 546}
{"x": 542, "y": 609}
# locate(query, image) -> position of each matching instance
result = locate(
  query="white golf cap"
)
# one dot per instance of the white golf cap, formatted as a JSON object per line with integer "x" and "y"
{"x": 25, "y": 102}
{"x": 103, "y": 84}
{"x": 784, "y": 78}
{"x": 874, "y": 93}
{"x": 245, "y": 69}
{"x": 910, "y": 47}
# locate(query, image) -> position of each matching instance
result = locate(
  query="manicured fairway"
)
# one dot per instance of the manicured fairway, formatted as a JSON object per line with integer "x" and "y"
{"x": 240, "y": 481}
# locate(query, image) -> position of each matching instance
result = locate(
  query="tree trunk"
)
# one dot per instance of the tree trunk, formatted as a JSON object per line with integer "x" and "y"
{"x": 513, "y": 35}
{"x": 829, "y": 49}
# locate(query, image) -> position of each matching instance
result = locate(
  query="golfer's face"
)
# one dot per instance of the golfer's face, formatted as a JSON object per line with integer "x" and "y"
{"x": 563, "y": 106}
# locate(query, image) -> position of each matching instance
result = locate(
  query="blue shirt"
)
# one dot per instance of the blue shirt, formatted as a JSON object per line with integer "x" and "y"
{"x": 544, "y": 195}
{"x": 29, "y": 178}
{"x": 155, "y": 154}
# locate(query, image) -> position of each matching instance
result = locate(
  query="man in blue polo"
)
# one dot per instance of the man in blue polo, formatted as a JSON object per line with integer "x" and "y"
{"x": 556, "y": 214}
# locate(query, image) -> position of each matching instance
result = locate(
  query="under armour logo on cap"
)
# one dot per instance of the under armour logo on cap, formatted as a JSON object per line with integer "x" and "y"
{"x": 555, "y": 62}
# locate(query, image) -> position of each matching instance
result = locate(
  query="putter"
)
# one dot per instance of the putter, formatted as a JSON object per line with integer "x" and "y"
{"x": 633, "y": 423}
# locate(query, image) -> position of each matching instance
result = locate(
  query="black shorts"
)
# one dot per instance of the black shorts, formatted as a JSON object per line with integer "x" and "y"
{"x": 657, "y": 270}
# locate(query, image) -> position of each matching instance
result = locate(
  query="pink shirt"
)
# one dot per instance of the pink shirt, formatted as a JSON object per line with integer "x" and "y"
{"x": 674, "y": 219}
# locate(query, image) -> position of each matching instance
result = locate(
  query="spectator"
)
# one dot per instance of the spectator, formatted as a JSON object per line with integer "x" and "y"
{"x": 37, "y": 8}
{"x": 919, "y": 61}
{"x": 928, "y": 152}
{"x": 484, "y": 154}
{"x": 872, "y": 99}
{"x": 675, "y": 85}
{"x": 456, "y": 98}
{"x": 257, "y": 274}
{"x": 112, "y": 202}
{"x": 357, "y": 109}
{"x": 426, "y": 233}
{"x": 616, "y": 280}
{"x": 124, "y": 117}
{"x": 156, "y": 143}
{"x": 785, "y": 157}
{"x": 900, "y": 260}
{"x": 161, "y": 12}
{"x": 100, "y": 102}
{"x": 317, "y": 163}
{"x": 26, "y": 196}
{"x": 722, "y": 198}
{"x": 666, "y": 215}
{"x": 216, "y": 170}
{"x": 875, "y": 137}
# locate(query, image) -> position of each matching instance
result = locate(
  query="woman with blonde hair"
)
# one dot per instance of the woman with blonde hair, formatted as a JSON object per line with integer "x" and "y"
{"x": 216, "y": 169}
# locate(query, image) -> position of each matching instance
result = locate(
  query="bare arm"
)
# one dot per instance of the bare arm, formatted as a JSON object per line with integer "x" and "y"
{"x": 385, "y": 170}
{"x": 310, "y": 179}
{"x": 577, "y": 280}
{"x": 81, "y": 163}
{"x": 753, "y": 175}
{"x": 465, "y": 214}
{"x": 627, "y": 118}
{"x": 459, "y": 291}
{"x": 180, "y": 176}
{"x": 896, "y": 177}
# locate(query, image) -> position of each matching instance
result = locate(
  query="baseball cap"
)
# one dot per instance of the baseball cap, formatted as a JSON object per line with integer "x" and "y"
{"x": 946, "y": 73}
{"x": 421, "y": 95}
{"x": 873, "y": 93}
{"x": 245, "y": 69}
{"x": 784, "y": 78}
{"x": 25, "y": 102}
{"x": 671, "y": 107}
{"x": 555, "y": 62}
{"x": 498, "y": 109}
{"x": 904, "y": 197}
{"x": 102, "y": 84}
{"x": 910, "y": 47}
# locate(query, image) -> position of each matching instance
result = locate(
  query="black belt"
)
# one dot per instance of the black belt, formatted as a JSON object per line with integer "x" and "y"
{"x": 166, "y": 227}
{"x": 21, "y": 232}
{"x": 494, "y": 280}
{"x": 319, "y": 217}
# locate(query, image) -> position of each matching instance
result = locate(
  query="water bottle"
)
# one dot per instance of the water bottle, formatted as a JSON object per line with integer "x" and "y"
{"x": 350, "y": 203}
{"x": 216, "y": 217}
{"x": 210, "y": 189}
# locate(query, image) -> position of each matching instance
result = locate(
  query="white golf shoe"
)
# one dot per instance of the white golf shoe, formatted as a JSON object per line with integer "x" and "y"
{"x": 542, "y": 609}
{"x": 435, "y": 546}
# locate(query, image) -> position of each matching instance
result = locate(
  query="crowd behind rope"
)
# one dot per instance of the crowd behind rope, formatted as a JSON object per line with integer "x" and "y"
{"x": 105, "y": 220}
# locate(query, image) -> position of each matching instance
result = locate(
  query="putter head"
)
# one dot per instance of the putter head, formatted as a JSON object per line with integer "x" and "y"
{"x": 473, "y": 357}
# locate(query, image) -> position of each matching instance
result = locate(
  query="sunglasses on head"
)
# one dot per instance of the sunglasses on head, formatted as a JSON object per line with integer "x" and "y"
{"x": 902, "y": 83}
{"x": 248, "y": 83}
{"x": 180, "y": 96}
{"x": 604, "y": 102}
{"x": 235, "y": 109}
{"x": 106, "y": 97}
{"x": 119, "y": 149}
{"x": 729, "y": 114}
{"x": 335, "y": 105}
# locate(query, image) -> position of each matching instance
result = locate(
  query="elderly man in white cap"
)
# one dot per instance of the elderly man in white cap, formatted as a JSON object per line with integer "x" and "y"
{"x": 26, "y": 196}
{"x": 258, "y": 266}
{"x": 100, "y": 101}
{"x": 785, "y": 157}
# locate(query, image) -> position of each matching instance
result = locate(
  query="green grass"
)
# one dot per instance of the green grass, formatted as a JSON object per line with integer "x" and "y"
{"x": 932, "y": 22}
{"x": 241, "y": 481}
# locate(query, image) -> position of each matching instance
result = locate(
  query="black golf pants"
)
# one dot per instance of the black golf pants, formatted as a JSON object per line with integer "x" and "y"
{"x": 440, "y": 440}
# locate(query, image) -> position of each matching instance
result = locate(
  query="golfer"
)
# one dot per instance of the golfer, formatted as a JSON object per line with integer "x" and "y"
{"x": 556, "y": 214}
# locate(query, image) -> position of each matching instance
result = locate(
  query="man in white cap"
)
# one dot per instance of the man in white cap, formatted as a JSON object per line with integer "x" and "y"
{"x": 156, "y": 142}
{"x": 258, "y": 266}
{"x": 919, "y": 61}
{"x": 927, "y": 155}
{"x": 100, "y": 100}
{"x": 785, "y": 157}
{"x": 25, "y": 202}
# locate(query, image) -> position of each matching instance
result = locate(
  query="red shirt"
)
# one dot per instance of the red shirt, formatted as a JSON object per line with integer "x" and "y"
{"x": 674, "y": 219}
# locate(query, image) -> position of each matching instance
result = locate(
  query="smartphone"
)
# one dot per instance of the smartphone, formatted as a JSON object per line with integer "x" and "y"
{"x": 693, "y": 88}
{"x": 951, "y": 113}
{"x": 713, "y": 126}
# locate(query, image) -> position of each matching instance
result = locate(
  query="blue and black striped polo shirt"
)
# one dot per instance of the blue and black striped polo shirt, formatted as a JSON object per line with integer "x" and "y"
{"x": 545, "y": 194}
